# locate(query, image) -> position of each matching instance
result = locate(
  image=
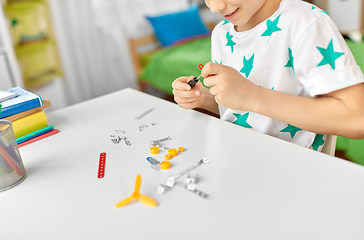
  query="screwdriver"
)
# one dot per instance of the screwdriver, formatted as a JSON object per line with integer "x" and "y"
{"x": 194, "y": 81}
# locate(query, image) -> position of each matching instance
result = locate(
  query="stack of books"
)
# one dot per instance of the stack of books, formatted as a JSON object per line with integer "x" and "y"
{"x": 25, "y": 110}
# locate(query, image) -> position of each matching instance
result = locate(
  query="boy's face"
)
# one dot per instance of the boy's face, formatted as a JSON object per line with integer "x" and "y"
{"x": 244, "y": 14}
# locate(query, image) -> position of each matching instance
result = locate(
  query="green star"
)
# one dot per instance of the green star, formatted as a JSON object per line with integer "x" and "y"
{"x": 313, "y": 8}
{"x": 272, "y": 27}
{"x": 291, "y": 129}
{"x": 319, "y": 141}
{"x": 290, "y": 61}
{"x": 271, "y": 88}
{"x": 329, "y": 55}
{"x": 248, "y": 66}
{"x": 218, "y": 62}
{"x": 241, "y": 120}
{"x": 230, "y": 42}
{"x": 225, "y": 21}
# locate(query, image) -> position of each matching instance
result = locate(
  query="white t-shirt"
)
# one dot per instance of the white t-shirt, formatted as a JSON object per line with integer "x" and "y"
{"x": 299, "y": 51}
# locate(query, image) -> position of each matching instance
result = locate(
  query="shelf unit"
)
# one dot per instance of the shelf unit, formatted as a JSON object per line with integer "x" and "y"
{"x": 33, "y": 40}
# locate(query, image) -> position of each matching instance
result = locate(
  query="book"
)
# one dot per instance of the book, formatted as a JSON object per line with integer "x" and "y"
{"x": 7, "y": 95}
{"x": 17, "y": 116}
{"x": 24, "y": 101}
{"x": 44, "y": 135}
{"x": 30, "y": 123}
{"x": 34, "y": 134}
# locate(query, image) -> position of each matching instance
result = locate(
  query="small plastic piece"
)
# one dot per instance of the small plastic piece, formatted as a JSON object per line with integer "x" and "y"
{"x": 167, "y": 157}
{"x": 192, "y": 179}
{"x": 155, "y": 163}
{"x": 154, "y": 150}
{"x": 173, "y": 152}
{"x": 137, "y": 196}
{"x": 101, "y": 172}
{"x": 162, "y": 188}
{"x": 181, "y": 149}
{"x": 152, "y": 160}
{"x": 165, "y": 165}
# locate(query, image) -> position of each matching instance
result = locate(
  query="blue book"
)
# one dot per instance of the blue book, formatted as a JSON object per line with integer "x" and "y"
{"x": 24, "y": 101}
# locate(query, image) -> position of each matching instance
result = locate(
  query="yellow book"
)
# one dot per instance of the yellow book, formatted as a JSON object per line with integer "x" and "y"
{"x": 30, "y": 123}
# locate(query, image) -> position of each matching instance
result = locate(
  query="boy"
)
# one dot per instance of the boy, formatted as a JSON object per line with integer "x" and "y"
{"x": 280, "y": 67}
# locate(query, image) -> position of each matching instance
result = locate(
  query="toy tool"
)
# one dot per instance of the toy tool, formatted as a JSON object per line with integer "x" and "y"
{"x": 172, "y": 179}
{"x": 194, "y": 81}
{"x": 137, "y": 196}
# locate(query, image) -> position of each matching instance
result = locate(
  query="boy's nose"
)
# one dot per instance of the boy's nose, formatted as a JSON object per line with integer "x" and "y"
{"x": 216, "y": 5}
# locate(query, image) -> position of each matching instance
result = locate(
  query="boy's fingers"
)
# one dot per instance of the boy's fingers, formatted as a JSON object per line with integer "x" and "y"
{"x": 186, "y": 94}
{"x": 211, "y": 69}
{"x": 181, "y": 83}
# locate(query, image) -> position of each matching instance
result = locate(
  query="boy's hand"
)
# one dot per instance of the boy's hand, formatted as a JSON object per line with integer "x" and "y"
{"x": 185, "y": 96}
{"x": 229, "y": 87}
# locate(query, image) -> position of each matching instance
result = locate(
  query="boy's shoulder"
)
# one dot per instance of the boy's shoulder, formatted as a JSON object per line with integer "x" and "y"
{"x": 294, "y": 13}
{"x": 300, "y": 11}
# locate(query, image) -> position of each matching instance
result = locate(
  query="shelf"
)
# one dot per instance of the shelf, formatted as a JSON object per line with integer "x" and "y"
{"x": 22, "y": 4}
{"x": 33, "y": 40}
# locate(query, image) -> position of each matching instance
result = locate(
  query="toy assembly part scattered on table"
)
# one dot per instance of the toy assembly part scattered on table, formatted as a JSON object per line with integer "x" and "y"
{"x": 166, "y": 165}
{"x": 145, "y": 113}
{"x": 157, "y": 143}
{"x": 173, "y": 152}
{"x": 155, "y": 163}
{"x": 101, "y": 171}
{"x": 172, "y": 179}
{"x": 154, "y": 150}
{"x": 137, "y": 196}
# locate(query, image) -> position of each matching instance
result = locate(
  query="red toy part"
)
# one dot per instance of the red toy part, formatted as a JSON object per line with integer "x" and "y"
{"x": 101, "y": 172}
{"x": 200, "y": 66}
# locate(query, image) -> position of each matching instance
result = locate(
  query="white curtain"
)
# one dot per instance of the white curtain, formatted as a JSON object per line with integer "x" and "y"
{"x": 92, "y": 37}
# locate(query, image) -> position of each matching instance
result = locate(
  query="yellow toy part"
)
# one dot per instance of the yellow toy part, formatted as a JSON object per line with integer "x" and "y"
{"x": 173, "y": 152}
{"x": 166, "y": 165}
{"x": 154, "y": 150}
{"x": 137, "y": 196}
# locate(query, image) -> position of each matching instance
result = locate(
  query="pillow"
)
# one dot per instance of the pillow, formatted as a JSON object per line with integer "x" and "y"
{"x": 173, "y": 27}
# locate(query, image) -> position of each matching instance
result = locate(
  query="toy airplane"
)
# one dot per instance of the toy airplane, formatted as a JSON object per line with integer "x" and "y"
{"x": 137, "y": 196}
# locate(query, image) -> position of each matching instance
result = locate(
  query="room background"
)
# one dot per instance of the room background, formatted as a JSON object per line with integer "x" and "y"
{"x": 92, "y": 38}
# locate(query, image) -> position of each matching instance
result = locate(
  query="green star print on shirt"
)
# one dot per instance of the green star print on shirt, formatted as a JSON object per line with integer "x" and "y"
{"x": 329, "y": 55}
{"x": 291, "y": 129}
{"x": 248, "y": 66}
{"x": 319, "y": 141}
{"x": 272, "y": 27}
{"x": 230, "y": 42}
{"x": 242, "y": 120}
{"x": 290, "y": 61}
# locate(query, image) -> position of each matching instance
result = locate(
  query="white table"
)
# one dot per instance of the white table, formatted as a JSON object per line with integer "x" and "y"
{"x": 262, "y": 187}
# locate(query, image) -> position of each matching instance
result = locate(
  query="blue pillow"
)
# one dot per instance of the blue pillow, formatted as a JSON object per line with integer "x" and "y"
{"x": 172, "y": 27}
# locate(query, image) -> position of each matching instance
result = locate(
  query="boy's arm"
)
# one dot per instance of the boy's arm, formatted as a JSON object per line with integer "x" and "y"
{"x": 337, "y": 113}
